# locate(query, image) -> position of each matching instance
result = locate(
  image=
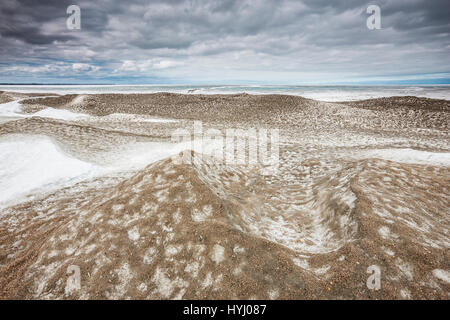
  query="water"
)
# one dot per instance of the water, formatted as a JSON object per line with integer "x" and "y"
{"x": 324, "y": 93}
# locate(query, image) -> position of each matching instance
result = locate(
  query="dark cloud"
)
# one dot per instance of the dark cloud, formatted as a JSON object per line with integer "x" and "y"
{"x": 190, "y": 38}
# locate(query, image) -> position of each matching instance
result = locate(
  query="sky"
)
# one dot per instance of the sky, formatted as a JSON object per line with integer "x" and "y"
{"x": 225, "y": 42}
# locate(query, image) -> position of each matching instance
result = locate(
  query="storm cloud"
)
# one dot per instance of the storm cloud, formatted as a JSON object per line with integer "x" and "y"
{"x": 309, "y": 41}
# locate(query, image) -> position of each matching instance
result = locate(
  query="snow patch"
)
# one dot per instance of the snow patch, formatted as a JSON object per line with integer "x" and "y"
{"x": 410, "y": 156}
{"x": 60, "y": 114}
{"x": 133, "y": 234}
{"x": 149, "y": 255}
{"x": 30, "y": 163}
{"x": 443, "y": 275}
{"x": 166, "y": 286}
{"x": 217, "y": 254}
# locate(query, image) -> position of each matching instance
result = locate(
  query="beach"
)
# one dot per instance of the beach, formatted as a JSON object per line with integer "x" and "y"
{"x": 143, "y": 194}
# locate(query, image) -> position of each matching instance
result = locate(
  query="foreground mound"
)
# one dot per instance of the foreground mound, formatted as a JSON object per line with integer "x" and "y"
{"x": 198, "y": 230}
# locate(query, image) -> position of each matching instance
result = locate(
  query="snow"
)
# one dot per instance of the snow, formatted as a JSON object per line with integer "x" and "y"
{"x": 149, "y": 255}
{"x": 324, "y": 93}
{"x": 60, "y": 114}
{"x": 32, "y": 162}
{"x": 133, "y": 234}
{"x": 385, "y": 232}
{"x": 410, "y": 156}
{"x": 11, "y": 109}
{"x": 14, "y": 109}
{"x": 35, "y": 164}
{"x": 164, "y": 285}
{"x": 217, "y": 254}
{"x": 78, "y": 99}
{"x": 443, "y": 275}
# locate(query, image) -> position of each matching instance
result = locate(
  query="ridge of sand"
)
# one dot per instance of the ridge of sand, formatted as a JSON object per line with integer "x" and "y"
{"x": 165, "y": 233}
{"x": 337, "y": 204}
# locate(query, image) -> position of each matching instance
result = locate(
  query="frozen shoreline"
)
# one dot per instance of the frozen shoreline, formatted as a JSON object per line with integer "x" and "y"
{"x": 322, "y": 93}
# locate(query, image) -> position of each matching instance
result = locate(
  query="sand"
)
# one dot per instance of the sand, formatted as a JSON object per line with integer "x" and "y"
{"x": 358, "y": 184}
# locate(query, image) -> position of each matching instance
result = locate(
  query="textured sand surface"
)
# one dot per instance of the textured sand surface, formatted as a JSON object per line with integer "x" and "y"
{"x": 358, "y": 184}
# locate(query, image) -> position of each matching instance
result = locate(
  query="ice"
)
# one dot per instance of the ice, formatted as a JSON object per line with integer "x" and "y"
{"x": 60, "y": 114}
{"x": 410, "y": 156}
{"x": 137, "y": 156}
{"x": 11, "y": 109}
{"x": 443, "y": 275}
{"x": 32, "y": 162}
{"x": 14, "y": 109}
{"x": 331, "y": 93}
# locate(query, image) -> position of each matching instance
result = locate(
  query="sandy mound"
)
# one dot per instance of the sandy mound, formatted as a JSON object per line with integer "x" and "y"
{"x": 192, "y": 231}
{"x": 359, "y": 185}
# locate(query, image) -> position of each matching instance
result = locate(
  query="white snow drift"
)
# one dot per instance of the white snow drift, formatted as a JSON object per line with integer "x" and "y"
{"x": 30, "y": 163}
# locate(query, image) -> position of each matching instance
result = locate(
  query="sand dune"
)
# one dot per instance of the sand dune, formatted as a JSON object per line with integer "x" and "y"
{"x": 356, "y": 186}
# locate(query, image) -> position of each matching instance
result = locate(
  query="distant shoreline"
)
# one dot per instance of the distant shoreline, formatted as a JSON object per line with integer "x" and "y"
{"x": 319, "y": 93}
{"x": 230, "y": 85}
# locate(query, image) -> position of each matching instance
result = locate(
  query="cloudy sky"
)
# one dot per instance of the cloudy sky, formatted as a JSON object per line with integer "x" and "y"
{"x": 225, "y": 41}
